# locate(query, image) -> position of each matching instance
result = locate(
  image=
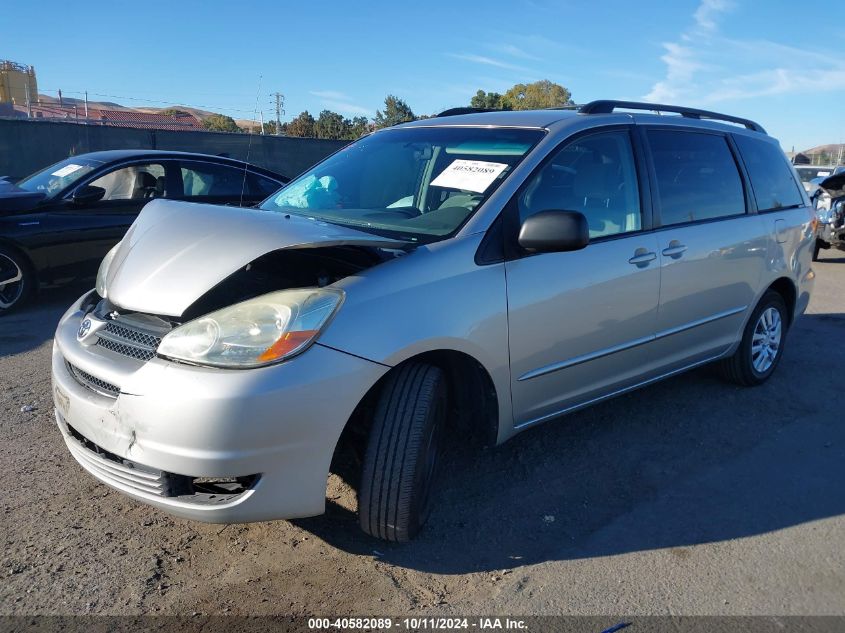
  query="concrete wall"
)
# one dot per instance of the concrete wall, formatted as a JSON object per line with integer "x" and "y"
{"x": 27, "y": 145}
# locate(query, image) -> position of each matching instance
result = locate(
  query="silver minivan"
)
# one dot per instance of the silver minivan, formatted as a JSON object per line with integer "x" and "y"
{"x": 489, "y": 269}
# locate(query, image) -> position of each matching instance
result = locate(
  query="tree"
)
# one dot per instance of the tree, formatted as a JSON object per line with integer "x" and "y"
{"x": 490, "y": 100}
{"x": 540, "y": 94}
{"x": 358, "y": 126}
{"x": 331, "y": 125}
{"x": 220, "y": 123}
{"x": 302, "y": 125}
{"x": 174, "y": 112}
{"x": 395, "y": 112}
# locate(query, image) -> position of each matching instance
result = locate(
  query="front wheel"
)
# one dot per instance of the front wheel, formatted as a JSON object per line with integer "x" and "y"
{"x": 15, "y": 280}
{"x": 403, "y": 453}
{"x": 761, "y": 347}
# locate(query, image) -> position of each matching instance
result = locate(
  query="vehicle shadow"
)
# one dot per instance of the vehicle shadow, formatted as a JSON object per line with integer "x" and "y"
{"x": 691, "y": 460}
{"x": 34, "y": 323}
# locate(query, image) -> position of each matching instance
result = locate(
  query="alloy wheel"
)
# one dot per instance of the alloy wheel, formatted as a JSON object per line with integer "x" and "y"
{"x": 11, "y": 282}
{"x": 766, "y": 340}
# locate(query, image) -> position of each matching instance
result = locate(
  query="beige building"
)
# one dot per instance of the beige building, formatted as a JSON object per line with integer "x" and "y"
{"x": 15, "y": 80}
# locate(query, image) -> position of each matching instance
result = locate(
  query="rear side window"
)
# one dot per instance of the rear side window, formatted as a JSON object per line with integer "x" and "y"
{"x": 261, "y": 186}
{"x": 771, "y": 175}
{"x": 210, "y": 179}
{"x": 697, "y": 177}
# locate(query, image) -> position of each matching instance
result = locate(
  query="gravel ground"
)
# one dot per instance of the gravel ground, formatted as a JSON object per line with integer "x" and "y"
{"x": 688, "y": 497}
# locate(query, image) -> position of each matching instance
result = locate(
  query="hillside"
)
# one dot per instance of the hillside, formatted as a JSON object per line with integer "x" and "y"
{"x": 110, "y": 105}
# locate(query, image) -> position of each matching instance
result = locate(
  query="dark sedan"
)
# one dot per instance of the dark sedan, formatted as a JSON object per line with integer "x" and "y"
{"x": 56, "y": 225}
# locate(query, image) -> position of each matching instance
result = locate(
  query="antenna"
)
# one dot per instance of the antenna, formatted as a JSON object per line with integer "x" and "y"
{"x": 249, "y": 144}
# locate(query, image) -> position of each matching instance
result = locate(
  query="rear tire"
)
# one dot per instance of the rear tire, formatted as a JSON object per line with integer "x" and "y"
{"x": 400, "y": 466}
{"x": 816, "y": 247}
{"x": 762, "y": 343}
{"x": 16, "y": 280}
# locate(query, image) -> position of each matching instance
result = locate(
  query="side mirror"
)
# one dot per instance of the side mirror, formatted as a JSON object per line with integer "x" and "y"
{"x": 554, "y": 231}
{"x": 88, "y": 195}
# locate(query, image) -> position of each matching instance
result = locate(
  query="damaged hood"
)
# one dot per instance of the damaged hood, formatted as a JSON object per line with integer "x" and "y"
{"x": 175, "y": 252}
{"x": 833, "y": 183}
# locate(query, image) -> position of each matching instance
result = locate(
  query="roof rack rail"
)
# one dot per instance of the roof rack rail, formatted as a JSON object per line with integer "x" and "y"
{"x": 456, "y": 111}
{"x": 606, "y": 106}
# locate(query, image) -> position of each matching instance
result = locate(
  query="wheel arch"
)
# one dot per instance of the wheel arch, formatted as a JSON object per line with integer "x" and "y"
{"x": 24, "y": 253}
{"x": 785, "y": 287}
{"x": 473, "y": 399}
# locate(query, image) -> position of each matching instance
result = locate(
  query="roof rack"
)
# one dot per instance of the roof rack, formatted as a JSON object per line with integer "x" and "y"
{"x": 456, "y": 111}
{"x": 606, "y": 106}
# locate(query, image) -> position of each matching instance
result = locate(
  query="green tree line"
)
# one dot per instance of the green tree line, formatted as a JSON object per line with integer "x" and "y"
{"x": 331, "y": 125}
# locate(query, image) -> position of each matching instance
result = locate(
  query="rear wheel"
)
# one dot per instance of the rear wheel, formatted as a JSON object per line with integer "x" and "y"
{"x": 761, "y": 347}
{"x": 403, "y": 453}
{"x": 15, "y": 280}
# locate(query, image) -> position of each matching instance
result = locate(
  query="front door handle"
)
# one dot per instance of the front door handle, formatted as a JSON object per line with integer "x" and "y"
{"x": 642, "y": 257}
{"x": 674, "y": 250}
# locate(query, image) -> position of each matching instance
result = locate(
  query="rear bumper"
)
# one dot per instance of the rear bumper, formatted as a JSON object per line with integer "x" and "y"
{"x": 280, "y": 423}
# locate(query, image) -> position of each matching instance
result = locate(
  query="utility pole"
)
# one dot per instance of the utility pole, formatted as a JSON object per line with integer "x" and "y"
{"x": 280, "y": 102}
{"x": 86, "y": 106}
{"x": 261, "y": 114}
{"x": 28, "y": 100}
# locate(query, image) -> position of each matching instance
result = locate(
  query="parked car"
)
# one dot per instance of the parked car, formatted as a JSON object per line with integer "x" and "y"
{"x": 485, "y": 270}
{"x": 57, "y": 224}
{"x": 829, "y": 201}
{"x": 809, "y": 173}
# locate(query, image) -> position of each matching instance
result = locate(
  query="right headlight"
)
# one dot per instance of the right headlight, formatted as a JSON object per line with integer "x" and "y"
{"x": 256, "y": 332}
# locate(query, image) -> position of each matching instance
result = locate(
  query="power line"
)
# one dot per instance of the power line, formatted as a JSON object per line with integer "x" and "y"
{"x": 137, "y": 99}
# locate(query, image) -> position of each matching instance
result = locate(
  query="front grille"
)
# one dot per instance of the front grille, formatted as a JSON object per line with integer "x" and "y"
{"x": 130, "y": 340}
{"x": 117, "y": 471}
{"x": 133, "y": 336}
{"x": 126, "y": 474}
{"x": 93, "y": 383}
{"x": 139, "y": 353}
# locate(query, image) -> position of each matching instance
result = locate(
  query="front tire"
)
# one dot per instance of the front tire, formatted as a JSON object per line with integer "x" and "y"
{"x": 761, "y": 347}
{"x": 400, "y": 465}
{"x": 16, "y": 280}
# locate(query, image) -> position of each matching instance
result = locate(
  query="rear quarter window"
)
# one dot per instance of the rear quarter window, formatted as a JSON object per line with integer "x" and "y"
{"x": 697, "y": 176}
{"x": 771, "y": 176}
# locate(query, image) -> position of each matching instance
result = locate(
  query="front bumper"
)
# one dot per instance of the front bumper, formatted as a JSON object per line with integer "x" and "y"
{"x": 280, "y": 422}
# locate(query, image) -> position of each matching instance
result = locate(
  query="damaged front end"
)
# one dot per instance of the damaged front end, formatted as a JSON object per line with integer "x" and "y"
{"x": 142, "y": 369}
{"x": 829, "y": 202}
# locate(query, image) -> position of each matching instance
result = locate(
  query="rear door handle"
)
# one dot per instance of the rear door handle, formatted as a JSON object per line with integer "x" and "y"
{"x": 675, "y": 249}
{"x": 642, "y": 257}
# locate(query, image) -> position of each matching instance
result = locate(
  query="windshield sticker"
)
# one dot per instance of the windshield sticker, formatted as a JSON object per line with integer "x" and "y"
{"x": 469, "y": 175}
{"x": 67, "y": 170}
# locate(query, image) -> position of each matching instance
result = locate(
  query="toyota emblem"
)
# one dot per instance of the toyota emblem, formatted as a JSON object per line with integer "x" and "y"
{"x": 84, "y": 328}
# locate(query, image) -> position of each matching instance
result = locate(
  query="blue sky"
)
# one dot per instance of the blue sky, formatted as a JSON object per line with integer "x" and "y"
{"x": 777, "y": 61}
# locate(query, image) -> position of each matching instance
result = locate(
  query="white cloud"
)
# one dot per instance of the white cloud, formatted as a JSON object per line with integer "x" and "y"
{"x": 330, "y": 94}
{"x": 488, "y": 61}
{"x": 703, "y": 66}
{"x": 708, "y": 12}
{"x": 516, "y": 51}
{"x": 340, "y": 102}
